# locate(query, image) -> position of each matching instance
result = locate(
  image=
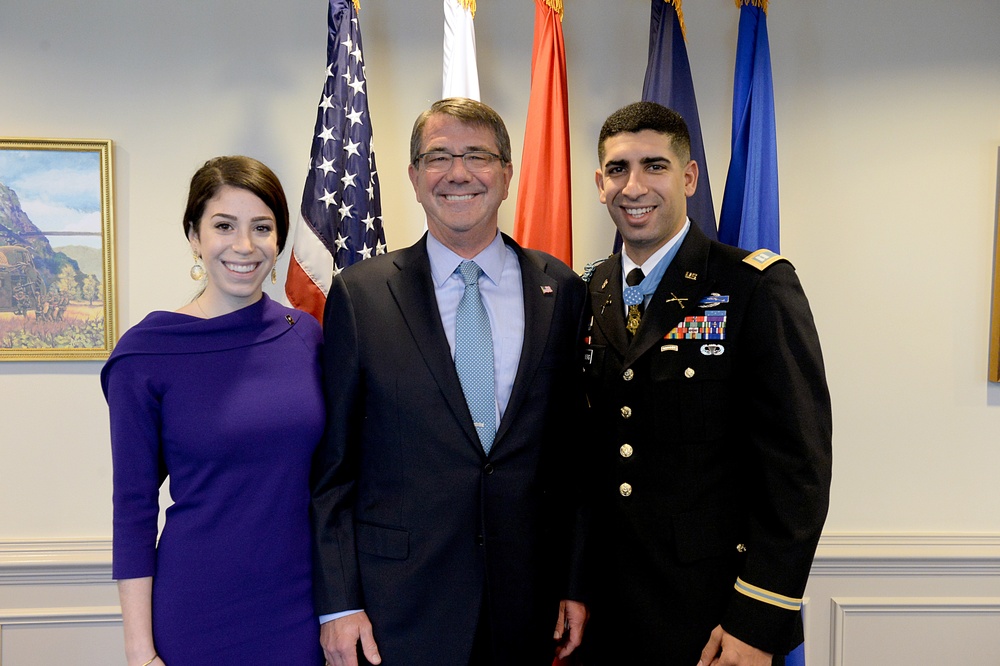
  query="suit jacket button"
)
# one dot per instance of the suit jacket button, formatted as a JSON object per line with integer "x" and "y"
{"x": 625, "y": 489}
{"x": 488, "y": 468}
{"x": 480, "y": 540}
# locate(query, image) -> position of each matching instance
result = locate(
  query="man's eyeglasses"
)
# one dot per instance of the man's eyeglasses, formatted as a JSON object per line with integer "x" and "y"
{"x": 438, "y": 161}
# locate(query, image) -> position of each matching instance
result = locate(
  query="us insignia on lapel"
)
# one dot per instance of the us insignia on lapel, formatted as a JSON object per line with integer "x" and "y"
{"x": 710, "y": 326}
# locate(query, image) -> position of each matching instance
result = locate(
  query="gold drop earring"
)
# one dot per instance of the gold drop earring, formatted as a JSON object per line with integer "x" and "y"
{"x": 197, "y": 271}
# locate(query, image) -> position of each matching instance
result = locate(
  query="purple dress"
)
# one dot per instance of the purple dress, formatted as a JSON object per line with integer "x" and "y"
{"x": 230, "y": 408}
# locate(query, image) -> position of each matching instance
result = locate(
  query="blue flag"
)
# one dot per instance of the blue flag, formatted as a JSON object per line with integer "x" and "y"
{"x": 750, "y": 203}
{"x": 749, "y": 216}
{"x": 668, "y": 82}
{"x": 797, "y": 656}
{"x": 341, "y": 205}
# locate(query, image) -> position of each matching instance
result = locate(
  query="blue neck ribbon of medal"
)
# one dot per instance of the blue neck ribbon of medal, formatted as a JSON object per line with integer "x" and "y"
{"x": 637, "y": 294}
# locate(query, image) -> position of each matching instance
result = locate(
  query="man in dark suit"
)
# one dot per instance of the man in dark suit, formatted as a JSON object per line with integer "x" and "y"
{"x": 447, "y": 520}
{"x": 711, "y": 419}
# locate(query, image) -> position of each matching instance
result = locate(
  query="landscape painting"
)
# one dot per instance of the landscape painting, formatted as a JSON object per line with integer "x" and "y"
{"x": 57, "y": 290}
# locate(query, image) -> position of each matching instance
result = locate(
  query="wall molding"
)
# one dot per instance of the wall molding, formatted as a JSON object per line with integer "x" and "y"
{"x": 57, "y": 561}
{"x": 929, "y": 554}
{"x": 67, "y": 615}
{"x": 88, "y": 560}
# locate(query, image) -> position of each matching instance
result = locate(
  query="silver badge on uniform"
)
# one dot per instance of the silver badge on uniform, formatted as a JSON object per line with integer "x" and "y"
{"x": 712, "y": 350}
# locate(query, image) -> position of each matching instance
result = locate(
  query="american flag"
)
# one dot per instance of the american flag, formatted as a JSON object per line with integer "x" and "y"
{"x": 341, "y": 221}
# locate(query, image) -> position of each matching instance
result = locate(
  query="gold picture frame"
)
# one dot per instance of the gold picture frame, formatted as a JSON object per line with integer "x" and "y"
{"x": 57, "y": 249}
{"x": 994, "y": 370}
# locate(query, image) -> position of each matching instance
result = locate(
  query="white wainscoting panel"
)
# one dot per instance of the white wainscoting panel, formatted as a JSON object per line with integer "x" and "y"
{"x": 914, "y": 630}
{"x": 46, "y": 636}
{"x": 908, "y": 599}
{"x": 58, "y": 604}
{"x": 872, "y": 600}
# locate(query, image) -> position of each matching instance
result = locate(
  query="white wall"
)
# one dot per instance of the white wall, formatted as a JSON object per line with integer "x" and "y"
{"x": 888, "y": 117}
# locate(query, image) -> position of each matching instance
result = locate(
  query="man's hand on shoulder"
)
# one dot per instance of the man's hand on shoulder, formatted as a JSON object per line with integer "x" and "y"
{"x": 340, "y": 638}
{"x": 724, "y": 649}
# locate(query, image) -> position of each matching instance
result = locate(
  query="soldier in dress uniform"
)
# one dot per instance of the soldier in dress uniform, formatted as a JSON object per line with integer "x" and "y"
{"x": 712, "y": 423}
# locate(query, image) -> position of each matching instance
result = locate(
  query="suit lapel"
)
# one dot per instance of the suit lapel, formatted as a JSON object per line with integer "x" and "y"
{"x": 606, "y": 302}
{"x": 539, "y": 307}
{"x": 413, "y": 289}
{"x": 676, "y": 297}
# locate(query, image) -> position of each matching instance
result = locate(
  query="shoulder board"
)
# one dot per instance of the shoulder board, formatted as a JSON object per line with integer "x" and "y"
{"x": 763, "y": 258}
{"x": 588, "y": 270}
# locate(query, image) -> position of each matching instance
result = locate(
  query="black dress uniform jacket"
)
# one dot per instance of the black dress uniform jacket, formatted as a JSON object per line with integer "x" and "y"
{"x": 713, "y": 456}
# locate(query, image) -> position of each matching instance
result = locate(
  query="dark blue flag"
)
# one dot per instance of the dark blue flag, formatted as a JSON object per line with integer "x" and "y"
{"x": 668, "y": 82}
{"x": 341, "y": 206}
{"x": 749, "y": 216}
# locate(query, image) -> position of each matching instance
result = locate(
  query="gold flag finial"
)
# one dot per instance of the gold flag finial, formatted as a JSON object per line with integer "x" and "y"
{"x": 680, "y": 16}
{"x": 762, "y": 4}
{"x": 470, "y": 5}
{"x": 556, "y": 6}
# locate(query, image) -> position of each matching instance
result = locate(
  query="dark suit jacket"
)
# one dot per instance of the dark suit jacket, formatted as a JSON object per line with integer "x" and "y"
{"x": 413, "y": 522}
{"x": 728, "y": 469}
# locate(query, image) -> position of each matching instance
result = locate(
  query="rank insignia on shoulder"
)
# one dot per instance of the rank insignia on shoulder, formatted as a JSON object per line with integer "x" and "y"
{"x": 763, "y": 258}
{"x": 713, "y": 300}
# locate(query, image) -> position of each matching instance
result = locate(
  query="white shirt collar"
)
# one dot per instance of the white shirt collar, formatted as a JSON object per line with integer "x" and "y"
{"x": 650, "y": 263}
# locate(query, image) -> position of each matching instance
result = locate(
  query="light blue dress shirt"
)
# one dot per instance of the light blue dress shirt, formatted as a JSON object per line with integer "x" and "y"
{"x": 503, "y": 298}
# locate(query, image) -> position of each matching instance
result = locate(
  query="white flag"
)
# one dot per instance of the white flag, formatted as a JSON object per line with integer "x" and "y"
{"x": 460, "y": 75}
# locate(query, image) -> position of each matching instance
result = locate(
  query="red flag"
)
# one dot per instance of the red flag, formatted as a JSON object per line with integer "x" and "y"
{"x": 543, "y": 218}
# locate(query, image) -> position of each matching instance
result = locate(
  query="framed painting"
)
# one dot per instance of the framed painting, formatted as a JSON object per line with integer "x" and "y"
{"x": 994, "y": 370}
{"x": 57, "y": 249}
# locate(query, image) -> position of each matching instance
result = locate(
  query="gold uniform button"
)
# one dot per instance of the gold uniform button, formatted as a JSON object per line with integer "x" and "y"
{"x": 626, "y": 412}
{"x": 629, "y": 374}
{"x": 625, "y": 450}
{"x": 689, "y": 373}
{"x": 625, "y": 489}
{"x": 741, "y": 548}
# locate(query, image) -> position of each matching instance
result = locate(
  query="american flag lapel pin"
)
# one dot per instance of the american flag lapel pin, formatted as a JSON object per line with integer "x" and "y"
{"x": 547, "y": 290}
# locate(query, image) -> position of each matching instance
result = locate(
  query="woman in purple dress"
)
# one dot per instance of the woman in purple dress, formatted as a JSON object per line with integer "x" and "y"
{"x": 224, "y": 397}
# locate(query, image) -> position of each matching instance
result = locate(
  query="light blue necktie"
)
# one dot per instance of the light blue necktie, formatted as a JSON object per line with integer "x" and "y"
{"x": 474, "y": 355}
